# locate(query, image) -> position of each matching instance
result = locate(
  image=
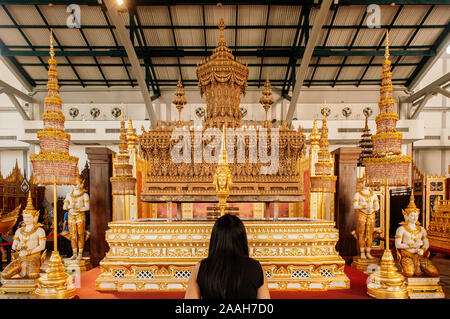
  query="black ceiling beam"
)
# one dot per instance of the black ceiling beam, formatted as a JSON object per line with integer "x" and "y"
{"x": 211, "y": 48}
{"x": 411, "y": 38}
{"x": 324, "y": 44}
{"x": 214, "y": 27}
{"x": 294, "y": 44}
{"x": 351, "y": 47}
{"x": 204, "y": 29}
{"x": 175, "y": 41}
{"x": 380, "y": 44}
{"x": 281, "y": 53}
{"x": 237, "y": 27}
{"x": 59, "y": 44}
{"x": 423, "y": 62}
{"x": 195, "y": 65}
{"x": 224, "y": 2}
{"x": 94, "y": 57}
{"x": 117, "y": 45}
{"x": 17, "y": 65}
{"x": 194, "y": 82}
{"x": 264, "y": 45}
{"x": 150, "y": 73}
{"x": 23, "y": 35}
{"x": 304, "y": 36}
{"x": 154, "y": 80}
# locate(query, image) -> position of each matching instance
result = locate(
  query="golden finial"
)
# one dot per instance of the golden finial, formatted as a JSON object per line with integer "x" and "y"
{"x": 29, "y": 209}
{"x": 266, "y": 98}
{"x": 386, "y": 52}
{"x": 52, "y": 51}
{"x": 325, "y": 110}
{"x": 223, "y": 154}
{"x": 222, "y": 24}
{"x": 314, "y": 137}
{"x": 122, "y": 112}
{"x": 222, "y": 27}
{"x": 131, "y": 135}
{"x": 179, "y": 100}
{"x": 411, "y": 206}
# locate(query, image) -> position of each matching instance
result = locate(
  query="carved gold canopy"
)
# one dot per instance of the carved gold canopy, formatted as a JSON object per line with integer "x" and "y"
{"x": 222, "y": 78}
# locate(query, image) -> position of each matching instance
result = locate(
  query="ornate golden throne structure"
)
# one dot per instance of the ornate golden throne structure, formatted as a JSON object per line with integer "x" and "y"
{"x": 151, "y": 254}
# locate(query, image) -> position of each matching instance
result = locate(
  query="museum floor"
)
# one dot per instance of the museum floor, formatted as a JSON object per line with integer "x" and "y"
{"x": 357, "y": 290}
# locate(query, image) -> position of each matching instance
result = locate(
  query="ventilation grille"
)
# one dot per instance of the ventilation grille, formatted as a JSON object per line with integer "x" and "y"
{"x": 182, "y": 274}
{"x": 119, "y": 274}
{"x": 145, "y": 274}
{"x": 10, "y": 138}
{"x": 326, "y": 273}
{"x": 300, "y": 274}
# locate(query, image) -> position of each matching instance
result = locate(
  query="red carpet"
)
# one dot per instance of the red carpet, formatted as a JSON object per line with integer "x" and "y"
{"x": 357, "y": 290}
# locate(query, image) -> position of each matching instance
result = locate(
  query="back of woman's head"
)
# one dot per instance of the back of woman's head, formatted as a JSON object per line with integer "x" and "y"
{"x": 228, "y": 237}
{"x": 222, "y": 270}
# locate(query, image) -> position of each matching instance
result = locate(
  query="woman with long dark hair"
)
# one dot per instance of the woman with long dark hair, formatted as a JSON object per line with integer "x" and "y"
{"x": 228, "y": 272}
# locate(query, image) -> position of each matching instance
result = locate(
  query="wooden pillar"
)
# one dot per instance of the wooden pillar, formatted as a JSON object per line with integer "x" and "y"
{"x": 100, "y": 159}
{"x": 275, "y": 211}
{"x": 346, "y": 159}
{"x": 179, "y": 213}
{"x": 267, "y": 210}
{"x": 169, "y": 211}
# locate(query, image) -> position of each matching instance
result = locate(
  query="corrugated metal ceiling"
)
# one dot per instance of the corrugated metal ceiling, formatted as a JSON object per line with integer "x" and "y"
{"x": 191, "y": 36}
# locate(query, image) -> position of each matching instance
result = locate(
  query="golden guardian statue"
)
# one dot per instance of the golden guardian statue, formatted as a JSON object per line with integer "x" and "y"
{"x": 366, "y": 203}
{"x": 77, "y": 203}
{"x": 29, "y": 242}
{"x": 412, "y": 245}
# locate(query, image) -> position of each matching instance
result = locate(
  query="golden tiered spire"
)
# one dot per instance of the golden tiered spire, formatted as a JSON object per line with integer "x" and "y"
{"x": 324, "y": 143}
{"x": 53, "y": 158}
{"x": 411, "y": 206}
{"x": 222, "y": 78}
{"x": 387, "y": 167}
{"x": 386, "y": 49}
{"x": 29, "y": 209}
{"x": 131, "y": 135}
{"x": 179, "y": 100}
{"x": 52, "y": 51}
{"x": 266, "y": 98}
{"x": 54, "y": 165}
{"x": 314, "y": 137}
{"x": 123, "y": 182}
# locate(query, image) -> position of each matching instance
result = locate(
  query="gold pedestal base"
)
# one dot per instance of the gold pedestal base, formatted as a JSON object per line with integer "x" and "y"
{"x": 387, "y": 283}
{"x": 18, "y": 288}
{"x": 367, "y": 266}
{"x": 424, "y": 288}
{"x": 295, "y": 254}
{"x": 74, "y": 266}
{"x": 55, "y": 283}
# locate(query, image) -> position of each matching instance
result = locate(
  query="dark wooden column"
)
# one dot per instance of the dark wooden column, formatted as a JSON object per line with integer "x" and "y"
{"x": 100, "y": 159}
{"x": 346, "y": 159}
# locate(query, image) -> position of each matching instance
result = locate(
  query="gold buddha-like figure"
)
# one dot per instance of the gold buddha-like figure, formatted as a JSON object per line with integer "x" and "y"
{"x": 29, "y": 242}
{"x": 77, "y": 202}
{"x": 366, "y": 203}
{"x": 412, "y": 245}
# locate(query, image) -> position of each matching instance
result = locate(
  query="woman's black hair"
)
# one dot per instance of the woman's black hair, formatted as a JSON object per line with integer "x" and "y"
{"x": 222, "y": 271}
